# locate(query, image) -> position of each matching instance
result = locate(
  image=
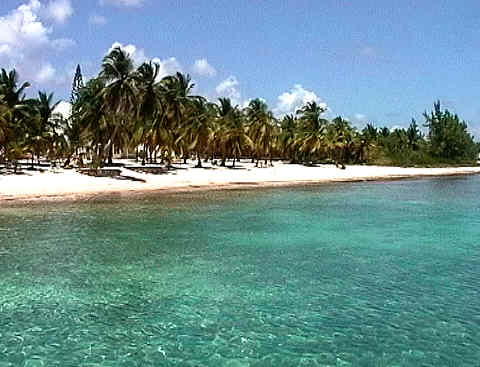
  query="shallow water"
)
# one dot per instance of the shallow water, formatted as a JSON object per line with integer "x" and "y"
{"x": 374, "y": 274}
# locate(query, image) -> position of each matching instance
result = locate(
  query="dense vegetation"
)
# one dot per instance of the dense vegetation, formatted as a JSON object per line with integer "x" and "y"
{"x": 125, "y": 109}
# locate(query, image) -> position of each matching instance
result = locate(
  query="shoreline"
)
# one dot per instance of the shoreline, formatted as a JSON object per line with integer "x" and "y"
{"x": 69, "y": 185}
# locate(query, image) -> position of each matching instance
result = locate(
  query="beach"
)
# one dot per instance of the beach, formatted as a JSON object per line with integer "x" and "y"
{"x": 61, "y": 184}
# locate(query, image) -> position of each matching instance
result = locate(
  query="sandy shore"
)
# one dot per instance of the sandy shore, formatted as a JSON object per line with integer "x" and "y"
{"x": 69, "y": 184}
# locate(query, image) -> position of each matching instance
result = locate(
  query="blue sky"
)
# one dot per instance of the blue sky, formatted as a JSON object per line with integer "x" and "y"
{"x": 368, "y": 60}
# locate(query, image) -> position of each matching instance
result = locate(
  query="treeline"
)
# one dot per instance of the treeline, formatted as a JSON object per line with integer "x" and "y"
{"x": 127, "y": 109}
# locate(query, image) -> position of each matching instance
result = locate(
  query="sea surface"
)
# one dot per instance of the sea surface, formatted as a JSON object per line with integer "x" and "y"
{"x": 358, "y": 274}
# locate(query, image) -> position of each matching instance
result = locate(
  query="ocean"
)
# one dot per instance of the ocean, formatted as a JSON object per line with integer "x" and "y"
{"x": 347, "y": 274}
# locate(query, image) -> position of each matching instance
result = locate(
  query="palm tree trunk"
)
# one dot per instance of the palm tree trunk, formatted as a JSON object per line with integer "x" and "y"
{"x": 110, "y": 155}
{"x": 199, "y": 161}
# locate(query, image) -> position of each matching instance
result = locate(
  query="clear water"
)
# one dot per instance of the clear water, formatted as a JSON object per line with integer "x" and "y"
{"x": 374, "y": 274}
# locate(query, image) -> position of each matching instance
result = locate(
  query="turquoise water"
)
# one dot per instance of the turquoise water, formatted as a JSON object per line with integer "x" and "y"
{"x": 365, "y": 274}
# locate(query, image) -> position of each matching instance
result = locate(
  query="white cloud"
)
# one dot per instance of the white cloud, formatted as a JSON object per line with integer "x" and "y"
{"x": 59, "y": 10}
{"x": 228, "y": 88}
{"x": 202, "y": 67}
{"x": 290, "y": 102}
{"x": 46, "y": 74}
{"x": 62, "y": 43}
{"x": 97, "y": 19}
{"x": 25, "y": 37}
{"x": 360, "y": 117}
{"x": 22, "y": 25}
{"x": 168, "y": 66}
{"x": 127, "y": 3}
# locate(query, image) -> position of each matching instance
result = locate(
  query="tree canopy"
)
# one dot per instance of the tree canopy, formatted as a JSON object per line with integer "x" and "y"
{"x": 130, "y": 109}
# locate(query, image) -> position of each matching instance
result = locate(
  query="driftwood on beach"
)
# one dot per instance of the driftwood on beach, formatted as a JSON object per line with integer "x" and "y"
{"x": 100, "y": 172}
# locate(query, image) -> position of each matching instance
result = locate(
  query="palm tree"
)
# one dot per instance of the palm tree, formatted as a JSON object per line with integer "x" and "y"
{"x": 149, "y": 104}
{"x": 119, "y": 95}
{"x": 12, "y": 94}
{"x": 311, "y": 137}
{"x": 340, "y": 140}
{"x": 15, "y": 112}
{"x": 91, "y": 112}
{"x": 4, "y": 118}
{"x": 42, "y": 129}
{"x": 287, "y": 137}
{"x": 198, "y": 131}
{"x": 234, "y": 134}
{"x": 176, "y": 101}
{"x": 261, "y": 128}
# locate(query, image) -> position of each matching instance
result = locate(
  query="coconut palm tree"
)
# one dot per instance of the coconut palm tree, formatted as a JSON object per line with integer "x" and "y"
{"x": 260, "y": 128}
{"x": 340, "y": 141}
{"x": 197, "y": 131}
{"x": 311, "y": 136}
{"x": 119, "y": 95}
{"x": 42, "y": 130}
{"x": 234, "y": 133}
{"x": 95, "y": 126}
{"x": 149, "y": 104}
{"x": 289, "y": 127}
{"x": 4, "y": 128}
{"x": 176, "y": 102}
{"x": 12, "y": 94}
{"x": 15, "y": 111}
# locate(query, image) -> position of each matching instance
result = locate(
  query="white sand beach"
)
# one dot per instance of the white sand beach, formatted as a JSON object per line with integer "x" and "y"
{"x": 70, "y": 184}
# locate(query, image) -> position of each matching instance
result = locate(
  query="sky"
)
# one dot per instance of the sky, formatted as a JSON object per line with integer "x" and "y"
{"x": 374, "y": 61}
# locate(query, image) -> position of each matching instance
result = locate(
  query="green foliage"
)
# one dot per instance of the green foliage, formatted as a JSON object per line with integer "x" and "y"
{"x": 131, "y": 108}
{"x": 448, "y": 137}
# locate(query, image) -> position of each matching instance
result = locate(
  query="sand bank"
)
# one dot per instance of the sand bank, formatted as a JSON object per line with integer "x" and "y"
{"x": 69, "y": 184}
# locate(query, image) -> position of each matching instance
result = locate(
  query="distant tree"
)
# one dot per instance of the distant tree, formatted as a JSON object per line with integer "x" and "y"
{"x": 15, "y": 111}
{"x": 384, "y": 132}
{"x": 448, "y": 136}
{"x": 286, "y": 139}
{"x": 261, "y": 129}
{"x": 76, "y": 85}
{"x": 370, "y": 133}
{"x": 119, "y": 96}
{"x": 311, "y": 138}
{"x": 414, "y": 135}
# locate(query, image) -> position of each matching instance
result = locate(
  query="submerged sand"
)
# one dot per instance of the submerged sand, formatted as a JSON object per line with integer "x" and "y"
{"x": 70, "y": 184}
